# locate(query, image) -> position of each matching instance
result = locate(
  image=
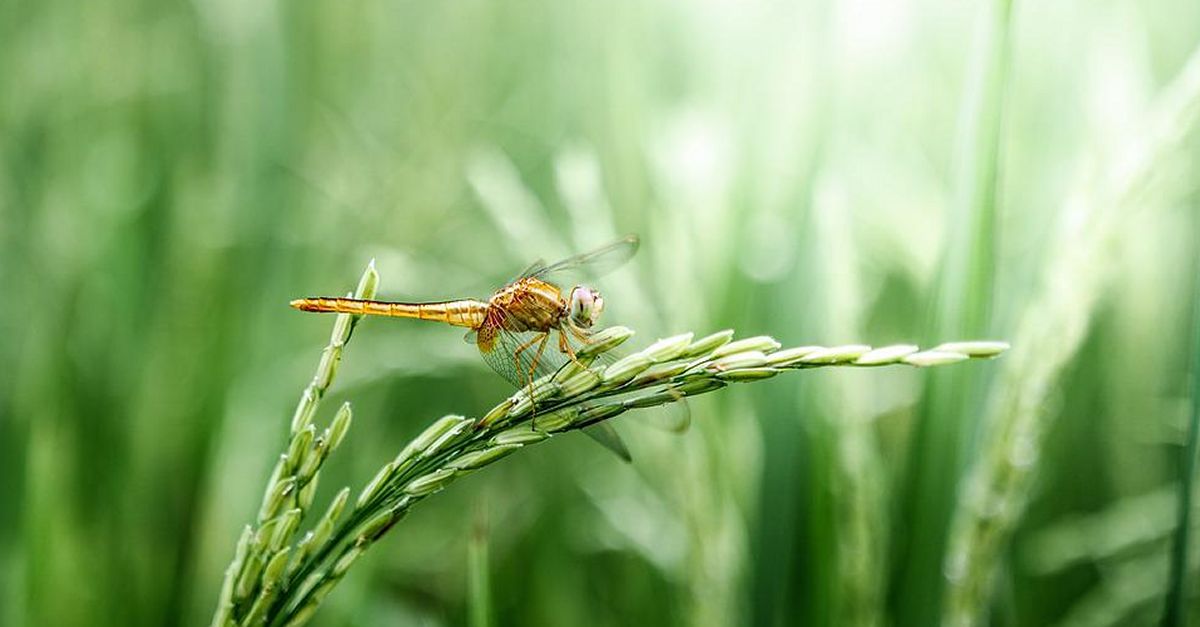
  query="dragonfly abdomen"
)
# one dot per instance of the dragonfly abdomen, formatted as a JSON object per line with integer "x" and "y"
{"x": 460, "y": 313}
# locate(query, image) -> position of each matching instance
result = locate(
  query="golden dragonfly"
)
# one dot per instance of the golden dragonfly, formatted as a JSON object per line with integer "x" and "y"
{"x": 513, "y": 328}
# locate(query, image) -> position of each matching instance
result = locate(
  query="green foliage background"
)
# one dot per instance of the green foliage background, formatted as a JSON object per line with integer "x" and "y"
{"x": 172, "y": 173}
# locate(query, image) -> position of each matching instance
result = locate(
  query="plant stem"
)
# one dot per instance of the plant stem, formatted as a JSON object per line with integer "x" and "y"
{"x": 1175, "y": 610}
{"x": 962, "y": 308}
{"x": 573, "y": 398}
{"x": 479, "y": 598}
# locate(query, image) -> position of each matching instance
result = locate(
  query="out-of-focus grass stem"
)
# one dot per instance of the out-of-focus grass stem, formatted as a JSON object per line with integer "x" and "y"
{"x": 1175, "y": 610}
{"x": 961, "y": 308}
{"x": 479, "y": 597}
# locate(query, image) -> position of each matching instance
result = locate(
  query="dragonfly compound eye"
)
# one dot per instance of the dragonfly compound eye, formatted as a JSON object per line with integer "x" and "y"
{"x": 586, "y": 305}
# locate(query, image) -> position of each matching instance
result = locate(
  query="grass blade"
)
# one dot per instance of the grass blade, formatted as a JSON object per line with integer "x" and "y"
{"x": 1175, "y": 612}
{"x": 962, "y": 307}
{"x": 479, "y": 595}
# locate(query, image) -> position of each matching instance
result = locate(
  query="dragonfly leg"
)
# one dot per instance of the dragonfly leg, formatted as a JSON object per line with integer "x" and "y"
{"x": 565, "y": 347}
{"x": 540, "y": 340}
{"x": 580, "y": 334}
{"x": 538, "y": 356}
{"x": 520, "y": 349}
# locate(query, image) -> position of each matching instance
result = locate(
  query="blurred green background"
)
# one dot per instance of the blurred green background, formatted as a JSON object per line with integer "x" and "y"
{"x": 172, "y": 173}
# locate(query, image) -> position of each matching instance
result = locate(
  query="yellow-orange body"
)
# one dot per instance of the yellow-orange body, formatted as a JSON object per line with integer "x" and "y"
{"x": 528, "y": 304}
{"x": 513, "y": 327}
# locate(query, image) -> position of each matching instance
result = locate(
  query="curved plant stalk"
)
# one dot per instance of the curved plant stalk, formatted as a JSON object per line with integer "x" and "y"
{"x": 264, "y": 553}
{"x": 275, "y": 582}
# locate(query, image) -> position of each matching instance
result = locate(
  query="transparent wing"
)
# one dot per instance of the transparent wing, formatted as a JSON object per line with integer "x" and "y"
{"x": 606, "y": 435}
{"x": 524, "y": 357}
{"x": 529, "y": 270}
{"x": 520, "y": 358}
{"x": 675, "y": 416}
{"x": 587, "y": 265}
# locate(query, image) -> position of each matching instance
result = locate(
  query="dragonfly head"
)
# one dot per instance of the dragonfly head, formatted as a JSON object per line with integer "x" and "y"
{"x": 585, "y": 306}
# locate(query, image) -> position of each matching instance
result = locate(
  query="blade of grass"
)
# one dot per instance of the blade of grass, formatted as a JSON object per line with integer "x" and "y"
{"x": 1175, "y": 612}
{"x": 962, "y": 307}
{"x": 479, "y": 588}
{"x": 1127, "y": 594}
{"x": 855, "y": 468}
{"x": 1125, "y": 527}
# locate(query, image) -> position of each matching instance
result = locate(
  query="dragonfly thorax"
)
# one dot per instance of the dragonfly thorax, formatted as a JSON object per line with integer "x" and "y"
{"x": 528, "y": 305}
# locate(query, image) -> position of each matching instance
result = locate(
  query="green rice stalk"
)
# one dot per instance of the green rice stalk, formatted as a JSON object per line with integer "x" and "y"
{"x": 479, "y": 596}
{"x": 269, "y": 588}
{"x": 261, "y": 559}
{"x": 1048, "y": 336}
{"x": 453, "y": 446}
{"x": 962, "y": 307}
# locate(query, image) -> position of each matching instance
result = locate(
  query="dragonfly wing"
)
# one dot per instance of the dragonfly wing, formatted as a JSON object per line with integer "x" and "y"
{"x": 515, "y": 356}
{"x": 531, "y": 270}
{"x": 675, "y": 416}
{"x": 522, "y": 357}
{"x": 587, "y": 265}
{"x": 606, "y": 435}
{"x": 519, "y": 357}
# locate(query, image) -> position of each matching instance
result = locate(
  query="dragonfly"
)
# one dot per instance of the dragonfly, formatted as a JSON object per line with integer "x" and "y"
{"x": 529, "y": 328}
